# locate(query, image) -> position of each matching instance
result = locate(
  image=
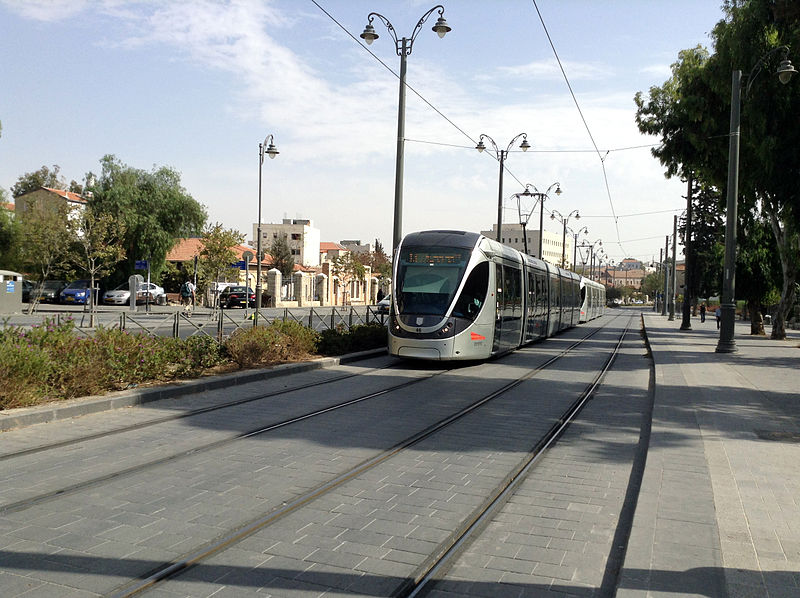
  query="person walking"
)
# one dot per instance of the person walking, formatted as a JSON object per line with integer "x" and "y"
{"x": 188, "y": 297}
{"x": 702, "y": 313}
{"x": 718, "y": 313}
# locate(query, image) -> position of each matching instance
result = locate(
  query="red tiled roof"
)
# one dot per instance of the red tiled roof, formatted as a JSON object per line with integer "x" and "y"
{"x": 8, "y": 206}
{"x": 184, "y": 250}
{"x": 68, "y": 195}
{"x": 329, "y": 246}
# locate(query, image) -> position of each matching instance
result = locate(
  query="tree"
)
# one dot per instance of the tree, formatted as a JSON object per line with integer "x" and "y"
{"x": 96, "y": 249}
{"x": 44, "y": 177}
{"x": 9, "y": 236}
{"x": 153, "y": 208}
{"x": 46, "y": 237}
{"x": 347, "y": 269}
{"x": 218, "y": 254}
{"x": 769, "y": 156}
{"x": 281, "y": 256}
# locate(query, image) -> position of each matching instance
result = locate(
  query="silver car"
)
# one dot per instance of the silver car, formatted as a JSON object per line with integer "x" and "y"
{"x": 119, "y": 296}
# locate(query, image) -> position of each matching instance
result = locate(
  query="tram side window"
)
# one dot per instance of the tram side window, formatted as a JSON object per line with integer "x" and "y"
{"x": 473, "y": 295}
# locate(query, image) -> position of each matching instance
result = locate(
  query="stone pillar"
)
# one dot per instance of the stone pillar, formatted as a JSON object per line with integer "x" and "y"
{"x": 322, "y": 288}
{"x": 273, "y": 290}
{"x": 299, "y": 295}
{"x": 373, "y": 291}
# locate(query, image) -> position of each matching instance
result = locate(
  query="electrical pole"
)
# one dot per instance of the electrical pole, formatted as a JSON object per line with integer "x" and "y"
{"x": 666, "y": 277}
{"x": 686, "y": 322}
{"x": 673, "y": 293}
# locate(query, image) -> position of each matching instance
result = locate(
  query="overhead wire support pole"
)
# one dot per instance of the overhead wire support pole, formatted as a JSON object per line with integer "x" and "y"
{"x": 403, "y": 47}
{"x": 673, "y": 291}
{"x": 501, "y": 157}
{"x": 688, "y": 272}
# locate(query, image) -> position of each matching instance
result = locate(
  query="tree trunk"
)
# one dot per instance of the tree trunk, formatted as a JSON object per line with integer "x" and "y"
{"x": 756, "y": 318}
{"x": 788, "y": 242}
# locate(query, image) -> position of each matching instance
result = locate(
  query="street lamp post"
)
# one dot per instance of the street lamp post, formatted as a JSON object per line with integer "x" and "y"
{"x": 726, "y": 344}
{"x": 524, "y": 216}
{"x": 584, "y": 231}
{"x": 590, "y": 255}
{"x": 271, "y": 151}
{"x": 564, "y": 219}
{"x": 403, "y": 48}
{"x": 501, "y": 157}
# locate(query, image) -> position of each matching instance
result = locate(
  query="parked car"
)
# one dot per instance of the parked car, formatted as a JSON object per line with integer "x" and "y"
{"x": 149, "y": 292}
{"x": 27, "y": 290}
{"x": 78, "y": 291}
{"x": 239, "y": 296}
{"x": 49, "y": 291}
{"x": 119, "y": 296}
{"x": 384, "y": 305}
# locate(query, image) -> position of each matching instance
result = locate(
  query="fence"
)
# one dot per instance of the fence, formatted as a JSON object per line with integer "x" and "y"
{"x": 220, "y": 324}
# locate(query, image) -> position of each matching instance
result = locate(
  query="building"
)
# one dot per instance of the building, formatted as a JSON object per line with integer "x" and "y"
{"x": 356, "y": 246}
{"x": 303, "y": 239}
{"x": 47, "y": 195}
{"x": 623, "y": 277}
{"x": 551, "y": 242}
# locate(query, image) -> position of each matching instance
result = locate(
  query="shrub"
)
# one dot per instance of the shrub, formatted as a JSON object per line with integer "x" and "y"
{"x": 338, "y": 341}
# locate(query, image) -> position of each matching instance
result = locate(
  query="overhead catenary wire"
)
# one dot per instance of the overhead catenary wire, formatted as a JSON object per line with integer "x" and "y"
{"x": 583, "y": 118}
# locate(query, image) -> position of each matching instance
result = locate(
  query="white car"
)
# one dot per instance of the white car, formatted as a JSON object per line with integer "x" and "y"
{"x": 122, "y": 296}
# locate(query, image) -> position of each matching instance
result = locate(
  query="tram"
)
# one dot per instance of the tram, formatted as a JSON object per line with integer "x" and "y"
{"x": 461, "y": 296}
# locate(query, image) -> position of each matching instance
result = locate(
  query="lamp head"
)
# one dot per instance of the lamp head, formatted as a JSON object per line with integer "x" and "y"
{"x": 785, "y": 71}
{"x": 558, "y": 189}
{"x": 524, "y": 146}
{"x": 577, "y": 216}
{"x": 480, "y": 147}
{"x": 369, "y": 35}
{"x": 441, "y": 27}
{"x": 272, "y": 151}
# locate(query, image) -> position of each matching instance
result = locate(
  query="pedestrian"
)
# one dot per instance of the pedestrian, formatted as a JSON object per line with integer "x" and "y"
{"x": 702, "y": 313}
{"x": 718, "y": 313}
{"x": 380, "y": 295}
{"x": 187, "y": 297}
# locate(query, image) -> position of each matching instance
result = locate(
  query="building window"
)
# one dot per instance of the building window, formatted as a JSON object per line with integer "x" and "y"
{"x": 295, "y": 236}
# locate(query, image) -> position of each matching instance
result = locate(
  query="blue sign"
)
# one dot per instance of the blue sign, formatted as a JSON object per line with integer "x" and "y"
{"x": 9, "y": 286}
{"x": 141, "y": 265}
{"x": 240, "y": 265}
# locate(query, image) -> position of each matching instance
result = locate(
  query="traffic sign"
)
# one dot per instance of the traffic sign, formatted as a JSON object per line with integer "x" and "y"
{"x": 140, "y": 265}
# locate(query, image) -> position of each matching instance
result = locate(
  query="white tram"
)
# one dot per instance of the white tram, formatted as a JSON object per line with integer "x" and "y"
{"x": 460, "y": 295}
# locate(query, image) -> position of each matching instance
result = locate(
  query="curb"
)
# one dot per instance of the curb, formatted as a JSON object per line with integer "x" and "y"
{"x": 28, "y": 416}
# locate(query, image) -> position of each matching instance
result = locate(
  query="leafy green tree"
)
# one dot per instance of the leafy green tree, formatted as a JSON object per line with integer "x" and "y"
{"x": 96, "y": 249}
{"x": 281, "y": 256}
{"x": 347, "y": 269}
{"x": 9, "y": 236}
{"x": 44, "y": 177}
{"x": 153, "y": 208}
{"x": 769, "y": 163}
{"x": 46, "y": 237}
{"x": 218, "y": 254}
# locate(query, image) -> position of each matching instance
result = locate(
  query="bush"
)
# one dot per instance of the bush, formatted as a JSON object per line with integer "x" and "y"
{"x": 339, "y": 341}
{"x": 278, "y": 342}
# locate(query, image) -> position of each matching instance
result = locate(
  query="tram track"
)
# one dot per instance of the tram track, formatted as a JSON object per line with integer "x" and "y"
{"x": 178, "y": 416}
{"x": 433, "y": 563}
{"x": 42, "y": 497}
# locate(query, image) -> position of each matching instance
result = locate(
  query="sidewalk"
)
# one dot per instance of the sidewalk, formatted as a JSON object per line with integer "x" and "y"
{"x": 719, "y": 509}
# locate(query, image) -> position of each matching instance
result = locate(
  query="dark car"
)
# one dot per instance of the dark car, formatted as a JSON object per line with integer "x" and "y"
{"x": 237, "y": 297}
{"x": 77, "y": 291}
{"x": 27, "y": 290}
{"x": 49, "y": 291}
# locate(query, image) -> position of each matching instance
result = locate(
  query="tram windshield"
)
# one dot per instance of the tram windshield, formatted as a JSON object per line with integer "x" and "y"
{"x": 428, "y": 278}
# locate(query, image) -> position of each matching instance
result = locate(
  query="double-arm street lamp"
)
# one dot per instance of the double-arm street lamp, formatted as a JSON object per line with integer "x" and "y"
{"x": 403, "y": 47}
{"x": 726, "y": 344}
{"x": 271, "y": 151}
{"x": 524, "y": 216}
{"x": 581, "y": 231}
{"x": 563, "y": 220}
{"x": 501, "y": 157}
{"x": 590, "y": 255}
{"x": 542, "y": 196}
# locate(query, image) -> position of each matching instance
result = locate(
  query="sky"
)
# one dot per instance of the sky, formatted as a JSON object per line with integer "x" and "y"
{"x": 197, "y": 86}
